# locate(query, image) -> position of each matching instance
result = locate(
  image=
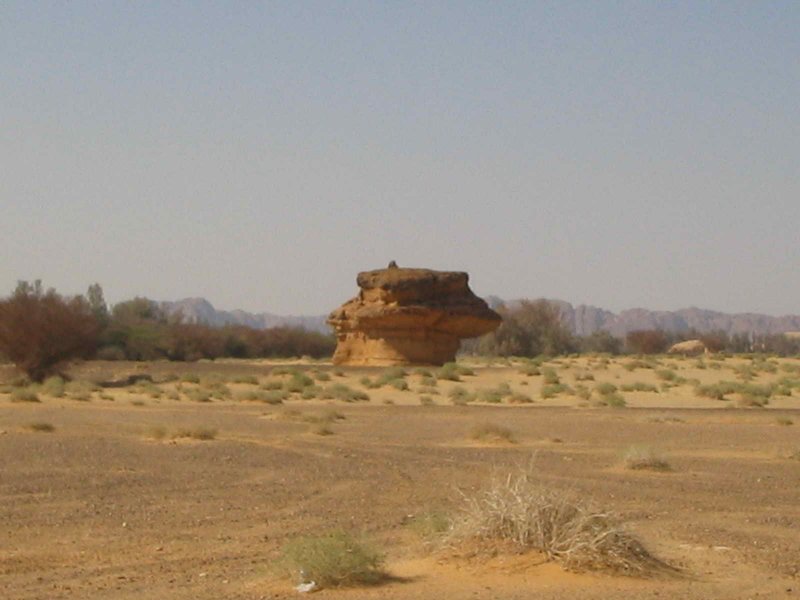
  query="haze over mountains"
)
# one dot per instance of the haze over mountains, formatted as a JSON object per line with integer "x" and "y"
{"x": 581, "y": 319}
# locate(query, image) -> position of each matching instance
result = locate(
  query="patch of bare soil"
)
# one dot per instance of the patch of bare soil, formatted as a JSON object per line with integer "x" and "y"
{"x": 114, "y": 503}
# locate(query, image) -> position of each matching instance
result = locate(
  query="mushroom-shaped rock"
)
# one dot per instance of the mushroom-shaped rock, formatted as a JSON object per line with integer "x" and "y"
{"x": 408, "y": 317}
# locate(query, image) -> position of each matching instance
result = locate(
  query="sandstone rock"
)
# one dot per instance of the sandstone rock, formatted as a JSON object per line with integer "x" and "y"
{"x": 408, "y": 316}
{"x": 688, "y": 348}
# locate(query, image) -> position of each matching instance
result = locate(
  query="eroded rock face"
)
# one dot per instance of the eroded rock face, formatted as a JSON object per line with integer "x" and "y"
{"x": 408, "y": 316}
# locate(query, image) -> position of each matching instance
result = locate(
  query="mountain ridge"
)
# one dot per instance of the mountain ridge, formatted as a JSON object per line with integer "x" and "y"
{"x": 582, "y": 319}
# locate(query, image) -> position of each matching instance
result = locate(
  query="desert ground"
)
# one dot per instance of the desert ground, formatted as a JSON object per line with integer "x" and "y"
{"x": 189, "y": 482}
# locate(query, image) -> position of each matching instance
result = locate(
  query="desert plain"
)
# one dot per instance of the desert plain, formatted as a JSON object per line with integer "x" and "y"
{"x": 186, "y": 480}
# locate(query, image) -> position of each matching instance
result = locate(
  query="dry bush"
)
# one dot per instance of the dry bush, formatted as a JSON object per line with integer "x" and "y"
{"x": 519, "y": 511}
{"x": 196, "y": 433}
{"x": 491, "y": 432}
{"x": 644, "y": 458}
{"x": 41, "y": 427}
{"x": 39, "y": 331}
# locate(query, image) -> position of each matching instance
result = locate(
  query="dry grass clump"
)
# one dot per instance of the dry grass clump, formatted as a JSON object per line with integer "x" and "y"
{"x": 491, "y": 432}
{"x": 644, "y": 458}
{"x": 196, "y": 433}
{"x": 40, "y": 427}
{"x": 334, "y": 559}
{"x": 519, "y": 511}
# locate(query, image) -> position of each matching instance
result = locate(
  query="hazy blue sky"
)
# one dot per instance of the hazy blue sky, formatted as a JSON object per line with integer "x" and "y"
{"x": 622, "y": 154}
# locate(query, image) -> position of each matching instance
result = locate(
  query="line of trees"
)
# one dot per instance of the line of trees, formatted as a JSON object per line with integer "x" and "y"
{"x": 40, "y": 330}
{"x": 532, "y": 328}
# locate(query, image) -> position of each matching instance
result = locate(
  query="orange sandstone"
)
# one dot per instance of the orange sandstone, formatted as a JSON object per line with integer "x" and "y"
{"x": 408, "y": 316}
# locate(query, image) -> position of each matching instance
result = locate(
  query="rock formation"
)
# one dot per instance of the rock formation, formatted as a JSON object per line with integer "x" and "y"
{"x": 688, "y": 348}
{"x": 408, "y": 316}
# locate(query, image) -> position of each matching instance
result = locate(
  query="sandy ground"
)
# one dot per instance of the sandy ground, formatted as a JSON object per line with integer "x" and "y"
{"x": 109, "y": 505}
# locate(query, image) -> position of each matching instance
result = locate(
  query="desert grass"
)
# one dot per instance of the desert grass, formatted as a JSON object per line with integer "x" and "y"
{"x": 519, "y": 511}
{"x": 334, "y": 559}
{"x": 644, "y": 458}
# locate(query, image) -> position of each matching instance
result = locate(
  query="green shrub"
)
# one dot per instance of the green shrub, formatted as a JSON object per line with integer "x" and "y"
{"x": 666, "y": 374}
{"x": 198, "y": 395}
{"x": 583, "y": 392}
{"x": 246, "y": 379}
{"x": 605, "y": 387}
{"x": 54, "y": 387}
{"x": 298, "y": 382}
{"x": 332, "y": 560}
{"x": 452, "y": 372}
{"x": 339, "y": 391}
{"x": 530, "y": 370}
{"x": 614, "y": 400}
{"x": 399, "y": 384}
{"x": 639, "y": 386}
{"x": 718, "y": 390}
{"x": 550, "y": 377}
{"x": 190, "y": 378}
{"x": 272, "y": 384}
{"x": 553, "y": 390}
{"x": 426, "y": 401}
{"x": 460, "y": 395}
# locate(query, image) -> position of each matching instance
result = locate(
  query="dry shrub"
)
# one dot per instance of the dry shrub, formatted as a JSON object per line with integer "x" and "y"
{"x": 644, "y": 458}
{"x": 491, "y": 432}
{"x": 196, "y": 433}
{"x": 519, "y": 511}
{"x": 41, "y": 427}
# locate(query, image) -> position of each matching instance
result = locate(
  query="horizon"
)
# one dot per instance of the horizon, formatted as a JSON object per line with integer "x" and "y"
{"x": 260, "y": 155}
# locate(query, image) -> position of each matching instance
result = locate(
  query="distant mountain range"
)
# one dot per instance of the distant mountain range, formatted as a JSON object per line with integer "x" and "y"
{"x": 581, "y": 319}
{"x": 200, "y": 310}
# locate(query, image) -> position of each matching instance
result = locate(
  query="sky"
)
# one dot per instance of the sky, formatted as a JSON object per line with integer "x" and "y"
{"x": 261, "y": 154}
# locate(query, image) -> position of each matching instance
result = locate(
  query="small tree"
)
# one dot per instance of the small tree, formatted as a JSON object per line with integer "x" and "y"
{"x": 646, "y": 341}
{"x": 39, "y": 330}
{"x": 529, "y": 329}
